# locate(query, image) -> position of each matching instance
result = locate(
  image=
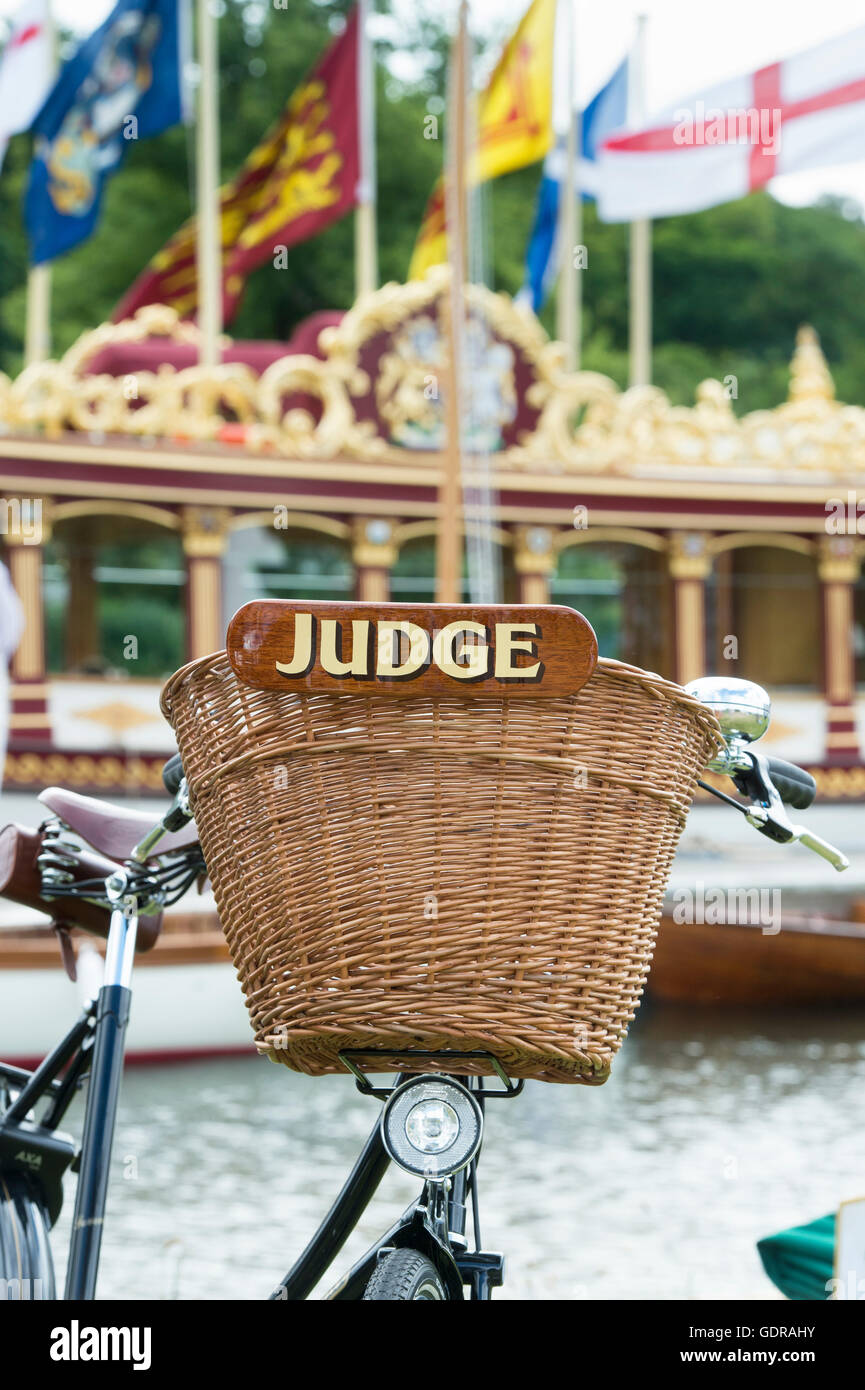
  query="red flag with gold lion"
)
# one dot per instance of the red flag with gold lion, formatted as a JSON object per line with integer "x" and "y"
{"x": 299, "y": 179}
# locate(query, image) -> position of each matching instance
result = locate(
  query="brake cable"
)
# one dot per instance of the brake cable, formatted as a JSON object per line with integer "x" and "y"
{"x": 722, "y": 796}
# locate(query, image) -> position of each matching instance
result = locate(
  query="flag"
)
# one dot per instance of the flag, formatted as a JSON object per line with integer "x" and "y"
{"x": 123, "y": 84}
{"x": 804, "y": 113}
{"x": 25, "y": 70}
{"x": 514, "y": 123}
{"x": 606, "y": 112}
{"x": 303, "y": 176}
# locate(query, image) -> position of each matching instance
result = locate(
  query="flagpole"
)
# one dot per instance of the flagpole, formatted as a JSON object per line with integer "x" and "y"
{"x": 640, "y": 310}
{"x": 449, "y": 529}
{"x": 365, "y": 230}
{"x": 208, "y": 221}
{"x": 569, "y": 300}
{"x": 37, "y": 327}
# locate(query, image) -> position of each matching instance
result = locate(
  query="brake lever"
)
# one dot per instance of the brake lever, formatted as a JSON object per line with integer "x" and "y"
{"x": 807, "y": 838}
{"x": 763, "y": 820}
{"x": 771, "y": 818}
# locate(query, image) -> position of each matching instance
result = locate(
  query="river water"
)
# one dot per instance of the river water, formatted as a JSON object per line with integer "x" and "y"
{"x": 714, "y": 1129}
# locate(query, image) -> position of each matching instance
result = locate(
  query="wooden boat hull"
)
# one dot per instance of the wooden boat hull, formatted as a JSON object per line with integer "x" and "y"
{"x": 807, "y": 962}
{"x": 186, "y": 1002}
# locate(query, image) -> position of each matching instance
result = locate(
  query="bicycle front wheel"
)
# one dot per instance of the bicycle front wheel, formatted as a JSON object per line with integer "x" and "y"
{"x": 405, "y": 1276}
{"x": 26, "y": 1266}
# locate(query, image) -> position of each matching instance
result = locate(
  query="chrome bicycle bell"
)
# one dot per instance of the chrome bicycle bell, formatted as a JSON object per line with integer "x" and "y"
{"x": 742, "y": 708}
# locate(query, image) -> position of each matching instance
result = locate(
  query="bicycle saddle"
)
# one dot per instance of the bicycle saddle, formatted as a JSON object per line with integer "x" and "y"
{"x": 111, "y": 830}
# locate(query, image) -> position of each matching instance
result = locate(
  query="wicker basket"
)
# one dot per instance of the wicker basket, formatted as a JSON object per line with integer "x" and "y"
{"x": 440, "y": 873}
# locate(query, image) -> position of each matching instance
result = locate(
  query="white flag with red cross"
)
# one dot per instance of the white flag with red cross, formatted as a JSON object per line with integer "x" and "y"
{"x": 26, "y": 70}
{"x": 807, "y": 112}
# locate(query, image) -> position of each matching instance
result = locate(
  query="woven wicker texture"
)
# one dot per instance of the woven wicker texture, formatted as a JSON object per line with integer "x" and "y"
{"x": 440, "y": 873}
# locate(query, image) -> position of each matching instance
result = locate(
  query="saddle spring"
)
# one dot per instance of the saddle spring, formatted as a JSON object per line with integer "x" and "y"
{"x": 57, "y": 857}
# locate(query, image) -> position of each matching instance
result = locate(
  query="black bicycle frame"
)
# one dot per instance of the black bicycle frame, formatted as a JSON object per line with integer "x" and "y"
{"x": 435, "y": 1225}
{"x": 96, "y": 1043}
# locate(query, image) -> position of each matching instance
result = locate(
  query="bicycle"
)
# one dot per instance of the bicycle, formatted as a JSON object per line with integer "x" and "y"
{"x": 106, "y": 870}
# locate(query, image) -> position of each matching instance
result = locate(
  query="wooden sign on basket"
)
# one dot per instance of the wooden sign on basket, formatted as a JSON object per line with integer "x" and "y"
{"x": 405, "y": 649}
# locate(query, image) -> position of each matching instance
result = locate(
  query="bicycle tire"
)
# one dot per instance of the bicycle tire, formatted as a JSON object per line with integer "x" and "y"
{"x": 26, "y": 1265}
{"x": 405, "y": 1276}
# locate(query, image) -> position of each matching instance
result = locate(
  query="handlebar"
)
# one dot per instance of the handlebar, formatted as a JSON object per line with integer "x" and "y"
{"x": 771, "y": 784}
{"x": 795, "y": 786}
{"x": 172, "y": 775}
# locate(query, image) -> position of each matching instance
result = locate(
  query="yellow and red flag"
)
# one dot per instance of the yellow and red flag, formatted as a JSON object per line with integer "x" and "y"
{"x": 302, "y": 177}
{"x": 515, "y": 123}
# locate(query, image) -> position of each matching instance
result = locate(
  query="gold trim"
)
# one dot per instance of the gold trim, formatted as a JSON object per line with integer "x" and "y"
{"x": 373, "y": 557}
{"x": 416, "y": 530}
{"x": 689, "y": 556}
{"x": 739, "y": 539}
{"x": 840, "y": 559}
{"x": 139, "y": 511}
{"x": 631, "y": 535}
{"x": 299, "y": 520}
{"x": 422, "y": 474}
{"x": 401, "y": 506}
{"x": 84, "y": 769}
{"x": 205, "y": 533}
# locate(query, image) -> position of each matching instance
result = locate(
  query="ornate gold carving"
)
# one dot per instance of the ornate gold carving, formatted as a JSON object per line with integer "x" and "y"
{"x": 205, "y": 531}
{"x": 535, "y": 550}
{"x": 689, "y": 555}
{"x": 810, "y": 378}
{"x": 37, "y": 770}
{"x": 296, "y": 431}
{"x": 153, "y": 321}
{"x": 584, "y": 424}
{"x": 373, "y": 543}
{"x": 839, "y": 560}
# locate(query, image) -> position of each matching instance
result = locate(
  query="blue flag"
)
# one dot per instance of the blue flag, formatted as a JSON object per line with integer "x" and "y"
{"x": 123, "y": 84}
{"x": 606, "y": 112}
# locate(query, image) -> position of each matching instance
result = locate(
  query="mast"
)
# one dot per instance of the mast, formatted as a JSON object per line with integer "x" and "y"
{"x": 449, "y": 533}
{"x": 365, "y": 231}
{"x": 208, "y": 221}
{"x": 570, "y": 229}
{"x": 640, "y": 325}
{"x": 37, "y": 329}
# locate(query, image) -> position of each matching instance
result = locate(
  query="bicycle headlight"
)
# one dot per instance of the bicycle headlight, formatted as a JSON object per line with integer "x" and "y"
{"x": 432, "y": 1126}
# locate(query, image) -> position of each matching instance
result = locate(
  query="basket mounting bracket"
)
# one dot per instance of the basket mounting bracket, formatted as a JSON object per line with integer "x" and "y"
{"x": 448, "y": 1062}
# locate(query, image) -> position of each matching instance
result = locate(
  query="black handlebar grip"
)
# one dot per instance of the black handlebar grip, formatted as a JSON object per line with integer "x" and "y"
{"x": 795, "y": 786}
{"x": 172, "y": 774}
